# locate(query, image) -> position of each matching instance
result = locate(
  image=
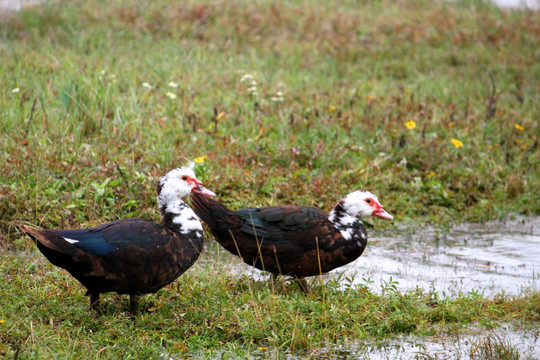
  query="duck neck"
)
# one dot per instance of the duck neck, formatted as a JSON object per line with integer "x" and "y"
{"x": 180, "y": 218}
{"x": 350, "y": 227}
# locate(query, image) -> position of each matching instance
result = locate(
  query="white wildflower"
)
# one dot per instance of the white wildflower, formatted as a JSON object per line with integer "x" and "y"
{"x": 252, "y": 89}
{"x": 147, "y": 85}
{"x": 171, "y": 95}
{"x": 16, "y": 90}
{"x": 247, "y": 77}
{"x": 278, "y": 97}
{"x": 173, "y": 84}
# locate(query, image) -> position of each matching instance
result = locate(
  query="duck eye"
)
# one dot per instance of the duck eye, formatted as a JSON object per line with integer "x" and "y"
{"x": 185, "y": 177}
{"x": 368, "y": 201}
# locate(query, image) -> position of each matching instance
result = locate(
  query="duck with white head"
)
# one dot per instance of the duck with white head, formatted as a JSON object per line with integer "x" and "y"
{"x": 131, "y": 256}
{"x": 293, "y": 240}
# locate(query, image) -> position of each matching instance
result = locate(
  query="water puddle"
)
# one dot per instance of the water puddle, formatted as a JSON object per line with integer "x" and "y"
{"x": 486, "y": 258}
{"x": 477, "y": 344}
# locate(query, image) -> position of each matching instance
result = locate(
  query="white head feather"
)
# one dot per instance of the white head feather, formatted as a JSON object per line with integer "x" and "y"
{"x": 360, "y": 204}
{"x": 175, "y": 185}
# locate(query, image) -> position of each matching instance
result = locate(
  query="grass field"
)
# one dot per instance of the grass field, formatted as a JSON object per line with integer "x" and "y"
{"x": 431, "y": 105}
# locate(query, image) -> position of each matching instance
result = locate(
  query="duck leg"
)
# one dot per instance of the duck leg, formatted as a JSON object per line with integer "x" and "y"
{"x": 94, "y": 301}
{"x": 133, "y": 303}
{"x": 303, "y": 284}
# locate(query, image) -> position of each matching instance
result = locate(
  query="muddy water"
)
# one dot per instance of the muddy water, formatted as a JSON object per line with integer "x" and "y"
{"x": 462, "y": 347}
{"x": 488, "y": 258}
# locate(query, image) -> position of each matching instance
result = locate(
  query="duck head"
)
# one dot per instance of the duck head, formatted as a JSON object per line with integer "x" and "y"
{"x": 179, "y": 183}
{"x": 362, "y": 204}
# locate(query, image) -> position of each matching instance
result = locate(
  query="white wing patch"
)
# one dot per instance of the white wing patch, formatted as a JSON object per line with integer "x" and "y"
{"x": 71, "y": 241}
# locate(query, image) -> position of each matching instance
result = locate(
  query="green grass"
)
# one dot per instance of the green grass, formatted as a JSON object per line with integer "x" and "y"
{"x": 494, "y": 347}
{"x": 45, "y": 313}
{"x": 83, "y": 141}
{"x": 351, "y": 76}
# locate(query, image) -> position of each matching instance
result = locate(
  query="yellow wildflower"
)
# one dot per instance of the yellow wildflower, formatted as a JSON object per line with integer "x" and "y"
{"x": 410, "y": 124}
{"x": 370, "y": 99}
{"x": 2, "y": 321}
{"x": 519, "y": 127}
{"x": 200, "y": 159}
{"x": 450, "y": 124}
{"x": 260, "y": 133}
{"x": 332, "y": 108}
{"x": 431, "y": 174}
{"x": 220, "y": 115}
{"x": 456, "y": 142}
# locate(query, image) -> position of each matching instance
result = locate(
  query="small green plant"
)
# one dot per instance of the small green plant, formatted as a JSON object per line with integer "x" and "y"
{"x": 494, "y": 347}
{"x": 104, "y": 191}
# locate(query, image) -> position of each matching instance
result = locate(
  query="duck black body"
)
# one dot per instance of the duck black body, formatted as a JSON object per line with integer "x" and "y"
{"x": 131, "y": 256}
{"x": 292, "y": 240}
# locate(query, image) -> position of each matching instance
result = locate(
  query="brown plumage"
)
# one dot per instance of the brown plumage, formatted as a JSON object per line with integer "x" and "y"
{"x": 299, "y": 241}
{"x": 131, "y": 256}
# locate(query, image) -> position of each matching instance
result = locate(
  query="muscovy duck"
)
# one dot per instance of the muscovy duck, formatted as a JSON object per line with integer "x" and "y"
{"x": 131, "y": 256}
{"x": 293, "y": 240}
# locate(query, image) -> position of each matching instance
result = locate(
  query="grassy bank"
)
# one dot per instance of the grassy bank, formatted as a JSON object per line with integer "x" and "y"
{"x": 44, "y": 313}
{"x": 433, "y": 106}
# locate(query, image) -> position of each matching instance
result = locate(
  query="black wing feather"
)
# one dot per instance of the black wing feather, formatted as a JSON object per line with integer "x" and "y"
{"x": 113, "y": 236}
{"x": 279, "y": 224}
